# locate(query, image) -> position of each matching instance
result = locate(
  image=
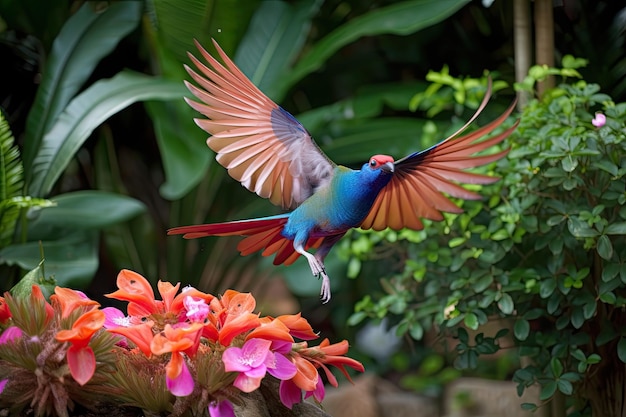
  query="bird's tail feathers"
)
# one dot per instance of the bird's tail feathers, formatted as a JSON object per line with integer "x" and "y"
{"x": 234, "y": 228}
{"x": 262, "y": 234}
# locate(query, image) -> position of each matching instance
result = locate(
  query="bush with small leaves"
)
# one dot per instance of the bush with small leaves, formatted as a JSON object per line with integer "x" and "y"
{"x": 545, "y": 249}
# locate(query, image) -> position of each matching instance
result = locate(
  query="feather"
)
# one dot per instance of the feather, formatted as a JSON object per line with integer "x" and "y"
{"x": 245, "y": 124}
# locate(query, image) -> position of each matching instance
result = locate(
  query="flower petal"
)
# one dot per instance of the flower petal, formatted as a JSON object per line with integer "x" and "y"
{"x": 281, "y": 367}
{"x": 236, "y": 325}
{"x": 232, "y": 363}
{"x": 298, "y": 326}
{"x": 290, "y": 393}
{"x": 246, "y": 383}
{"x": 167, "y": 291}
{"x": 141, "y": 335}
{"x": 319, "y": 393}
{"x": 82, "y": 363}
{"x": 10, "y": 334}
{"x": 274, "y": 330}
{"x": 137, "y": 291}
{"x": 69, "y": 300}
{"x": 183, "y": 384}
{"x": 115, "y": 317}
{"x": 221, "y": 409}
{"x": 255, "y": 351}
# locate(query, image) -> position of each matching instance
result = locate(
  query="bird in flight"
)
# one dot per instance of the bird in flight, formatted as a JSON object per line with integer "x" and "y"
{"x": 266, "y": 149}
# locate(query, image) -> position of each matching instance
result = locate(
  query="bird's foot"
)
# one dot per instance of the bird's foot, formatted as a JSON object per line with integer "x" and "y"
{"x": 325, "y": 293}
{"x": 318, "y": 270}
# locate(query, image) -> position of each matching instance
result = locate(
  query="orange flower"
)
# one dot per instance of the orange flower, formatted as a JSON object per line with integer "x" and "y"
{"x": 306, "y": 375}
{"x": 140, "y": 334}
{"x": 230, "y": 316}
{"x": 42, "y": 311}
{"x": 271, "y": 330}
{"x": 329, "y": 354}
{"x": 80, "y": 356}
{"x": 176, "y": 340}
{"x": 135, "y": 289}
{"x": 298, "y": 326}
{"x": 69, "y": 300}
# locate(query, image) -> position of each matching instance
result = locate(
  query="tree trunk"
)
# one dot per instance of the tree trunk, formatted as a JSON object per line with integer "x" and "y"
{"x": 605, "y": 388}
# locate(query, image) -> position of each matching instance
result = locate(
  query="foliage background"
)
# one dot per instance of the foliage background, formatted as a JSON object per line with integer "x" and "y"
{"x": 347, "y": 69}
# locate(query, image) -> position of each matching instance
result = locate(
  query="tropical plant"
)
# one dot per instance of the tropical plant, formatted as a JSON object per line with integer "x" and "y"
{"x": 64, "y": 113}
{"x": 545, "y": 250}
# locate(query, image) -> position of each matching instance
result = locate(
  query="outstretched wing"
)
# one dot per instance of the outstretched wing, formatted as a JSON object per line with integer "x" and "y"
{"x": 419, "y": 179}
{"x": 262, "y": 145}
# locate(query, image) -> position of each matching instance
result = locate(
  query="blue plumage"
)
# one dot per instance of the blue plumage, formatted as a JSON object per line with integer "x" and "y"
{"x": 271, "y": 153}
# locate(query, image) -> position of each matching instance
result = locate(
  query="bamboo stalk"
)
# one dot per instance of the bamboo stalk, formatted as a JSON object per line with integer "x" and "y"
{"x": 522, "y": 46}
{"x": 544, "y": 40}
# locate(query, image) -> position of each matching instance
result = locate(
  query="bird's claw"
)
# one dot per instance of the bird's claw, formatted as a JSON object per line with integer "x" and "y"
{"x": 325, "y": 292}
{"x": 318, "y": 270}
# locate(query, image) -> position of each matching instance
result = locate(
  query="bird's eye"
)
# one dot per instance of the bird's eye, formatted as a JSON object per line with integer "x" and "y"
{"x": 373, "y": 163}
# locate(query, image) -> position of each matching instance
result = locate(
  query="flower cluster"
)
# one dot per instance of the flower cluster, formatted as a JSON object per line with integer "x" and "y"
{"x": 187, "y": 351}
{"x": 48, "y": 350}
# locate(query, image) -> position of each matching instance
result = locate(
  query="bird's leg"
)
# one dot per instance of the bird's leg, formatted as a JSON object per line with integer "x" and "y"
{"x": 317, "y": 268}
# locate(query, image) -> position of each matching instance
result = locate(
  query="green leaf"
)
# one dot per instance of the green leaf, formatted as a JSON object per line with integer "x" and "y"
{"x": 556, "y": 366}
{"x": 547, "y": 390}
{"x": 565, "y": 386}
{"x": 568, "y": 163}
{"x": 273, "y": 40}
{"x": 182, "y": 146}
{"x": 505, "y": 304}
{"x": 616, "y": 229}
{"x": 399, "y": 19}
{"x": 521, "y": 329}
{"x": 605, "y": 248}
{"x": 89, "y": 210}
{"x": 357, "y": 318}
{"x": 471, "y": 321}
{"x": 416, "y": 331}
{"x": 621, "y": 349}
{"x": 176, "y": 23}
{"x": 86, "y": 112}
{"x": 72, "y": 260}
{"x": 33, "y": 277}
{"x": 86, "y": 37}
{"x": 579, "y": 228}
{"x": 11, "y": 182}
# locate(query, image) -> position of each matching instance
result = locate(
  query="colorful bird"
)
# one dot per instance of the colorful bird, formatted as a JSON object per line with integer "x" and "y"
{"x": 272, "y": 154}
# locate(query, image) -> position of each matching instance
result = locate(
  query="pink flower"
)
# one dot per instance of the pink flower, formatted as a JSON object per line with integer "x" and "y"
{"x": 318, "y": 393}
{"x": 221, "y": 409}
{"x": 176, "y": 340}
{"x": 197, "y": 308}
{"x": 10, "y": 334}
{"x": 115, "y": 318}
{"x": 599, "y": 120}
{"x": 253, "y": 360}
{"x": 290, "y": 393}
{"x": 4, "y": 382}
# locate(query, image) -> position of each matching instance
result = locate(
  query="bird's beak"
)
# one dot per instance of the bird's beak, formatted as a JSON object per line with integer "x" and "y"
{"x": 388, "y": 167}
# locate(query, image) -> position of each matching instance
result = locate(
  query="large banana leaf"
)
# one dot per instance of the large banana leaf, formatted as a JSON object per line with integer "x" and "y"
{"x": 86, "y": 112}
{"x": 72, "y": 260}
{"x": 68, "y": 234}
{"x": 274, "y": 38}
{"x": 174, "y": 26}
{"x": 87, "y": 37}
{"x": 398, "y": 19}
